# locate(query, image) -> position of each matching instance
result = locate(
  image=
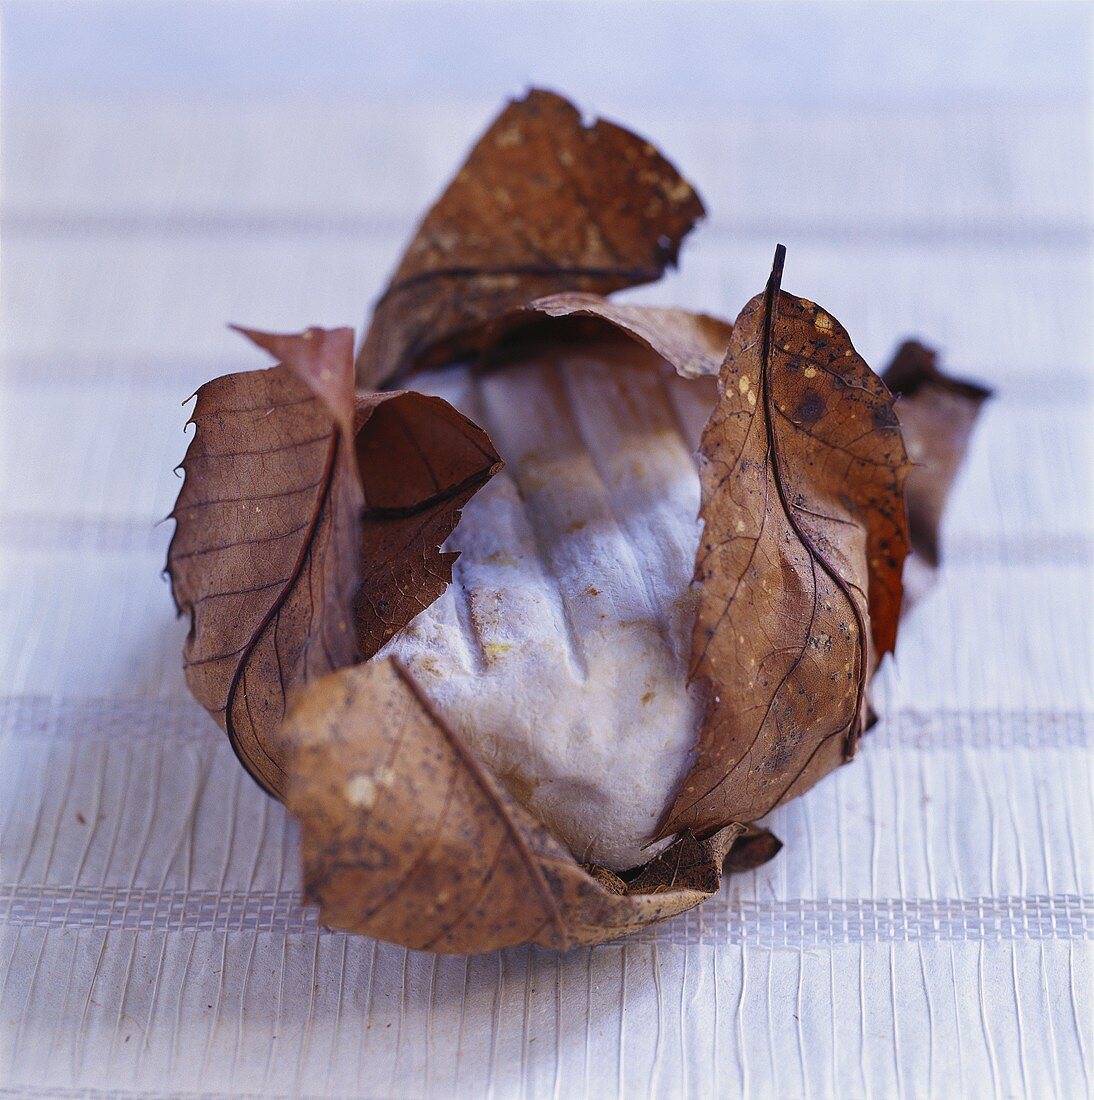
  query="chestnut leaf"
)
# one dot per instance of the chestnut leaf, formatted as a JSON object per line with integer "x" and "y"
{"x": 544, "y": 203}
{"x": 802, "y": 470}
{"x": 291, "y": 484}
{"x": 407, "y": 837}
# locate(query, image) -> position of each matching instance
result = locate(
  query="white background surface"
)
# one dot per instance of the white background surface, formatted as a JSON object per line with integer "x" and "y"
{"x": 927, "y": 929}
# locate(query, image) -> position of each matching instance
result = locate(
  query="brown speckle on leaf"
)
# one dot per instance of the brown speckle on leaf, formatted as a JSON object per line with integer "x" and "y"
{"x": 810, "y": 408}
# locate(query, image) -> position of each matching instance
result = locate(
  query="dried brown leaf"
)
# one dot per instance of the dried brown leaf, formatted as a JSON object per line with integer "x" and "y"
{"x": 693, "y": 343}
{"x": 407, "y": 837}
{"x": 267, "y": 536}
{"x": 802, "y": 469}
{"x": 273, "y": 520}
{"x": 543, "y": 203}
{"x": 937, "y": 415}
{"x": 420, "y": 462}
{"x": 753, "y": 848}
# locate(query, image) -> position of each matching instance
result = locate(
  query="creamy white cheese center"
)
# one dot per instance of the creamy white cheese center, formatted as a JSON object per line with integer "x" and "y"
{"x": 560, "y": 650}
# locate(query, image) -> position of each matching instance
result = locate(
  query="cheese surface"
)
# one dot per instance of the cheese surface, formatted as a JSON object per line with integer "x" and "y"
{"x": 560, "y": 650}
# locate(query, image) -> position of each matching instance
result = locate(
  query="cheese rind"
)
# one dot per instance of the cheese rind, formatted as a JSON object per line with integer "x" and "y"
{"x": 560, "y": 651}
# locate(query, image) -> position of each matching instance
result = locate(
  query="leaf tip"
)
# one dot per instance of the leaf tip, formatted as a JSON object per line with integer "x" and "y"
{"x": 776, "y": 280}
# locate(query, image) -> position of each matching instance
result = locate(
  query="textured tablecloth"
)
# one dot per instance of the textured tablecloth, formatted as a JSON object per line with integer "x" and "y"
{"x": 927, "y": 929}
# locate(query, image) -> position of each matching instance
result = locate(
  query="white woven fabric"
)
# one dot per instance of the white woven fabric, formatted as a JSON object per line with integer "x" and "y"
{"x": 927, "y": 930}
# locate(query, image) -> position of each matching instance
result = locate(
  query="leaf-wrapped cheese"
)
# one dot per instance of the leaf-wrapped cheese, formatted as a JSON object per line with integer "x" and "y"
{"x": 564, "y": 654}
{"x": 560, "y": 652}
{"x": 641, "y": 654}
